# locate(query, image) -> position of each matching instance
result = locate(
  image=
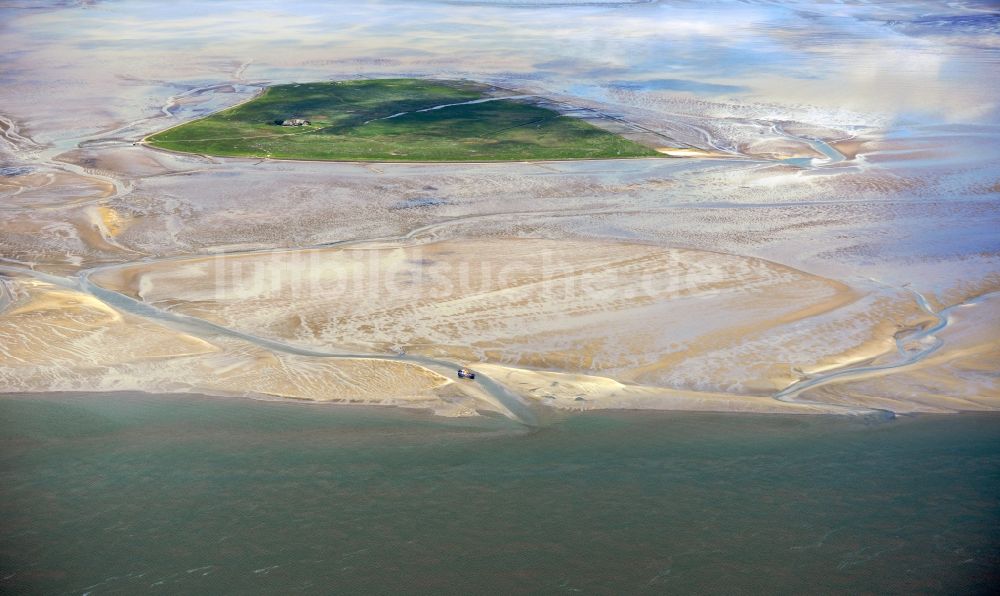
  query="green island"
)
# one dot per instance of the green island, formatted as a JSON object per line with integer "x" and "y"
{"x": 394, "y": 120}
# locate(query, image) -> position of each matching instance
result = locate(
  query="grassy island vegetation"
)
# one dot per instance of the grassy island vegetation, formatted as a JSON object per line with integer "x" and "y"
{"x": 394, "y": 120}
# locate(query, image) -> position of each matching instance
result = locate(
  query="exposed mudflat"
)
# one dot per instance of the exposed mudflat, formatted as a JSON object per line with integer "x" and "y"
{"x": 820, "y": 244}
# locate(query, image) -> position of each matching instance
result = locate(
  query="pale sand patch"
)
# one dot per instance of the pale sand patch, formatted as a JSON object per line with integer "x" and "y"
{"x": 688, "y": 152}
{"x": 49, "y": 325}
{"x": 48, "y": 188}
{"x": 110, "y": 220}
{"x": 52, "y": 339}
{"x": 961, "y": 292}
{"x": 636, "y": 312}
{"x": 98, "y": 225}
{"x": 257, "y": 372}
{"x": 66, "y": 240}
{"x": 764, "y": 359}
{"x": 939, "y": 148}
{"x": 959, "y": 376}
{"x": 587, "y": 392}
{"x": 126, "y": 161}
{"x": 851, "y": 148}
{"x": 779, "y": 148}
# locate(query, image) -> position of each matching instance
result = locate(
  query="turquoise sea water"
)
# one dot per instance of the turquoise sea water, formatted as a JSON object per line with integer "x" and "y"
{"x": 128, "y": 493}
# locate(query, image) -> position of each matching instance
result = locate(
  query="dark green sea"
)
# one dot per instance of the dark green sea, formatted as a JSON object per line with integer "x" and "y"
{"x": 129, "y": 493}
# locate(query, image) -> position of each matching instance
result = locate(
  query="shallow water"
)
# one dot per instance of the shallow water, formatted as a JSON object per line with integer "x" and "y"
{"x": 129, "y": 492}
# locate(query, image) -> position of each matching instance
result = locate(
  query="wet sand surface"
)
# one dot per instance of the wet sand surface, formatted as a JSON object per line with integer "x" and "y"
{"x": 810, "y": 252}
